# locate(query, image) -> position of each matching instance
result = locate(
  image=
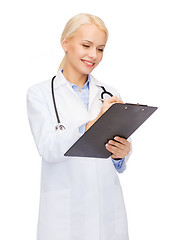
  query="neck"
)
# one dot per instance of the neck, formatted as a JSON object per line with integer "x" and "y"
{"x": 75, "y": 77}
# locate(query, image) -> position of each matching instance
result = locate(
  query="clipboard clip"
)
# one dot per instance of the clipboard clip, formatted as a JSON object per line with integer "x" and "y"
{"x": 137, "y": 104}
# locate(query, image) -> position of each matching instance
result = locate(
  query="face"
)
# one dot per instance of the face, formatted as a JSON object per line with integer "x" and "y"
{"x": 85, "y": 50}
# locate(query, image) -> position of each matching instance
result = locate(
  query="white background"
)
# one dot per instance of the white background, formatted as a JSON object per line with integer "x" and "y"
{"x": 145, "y": 60}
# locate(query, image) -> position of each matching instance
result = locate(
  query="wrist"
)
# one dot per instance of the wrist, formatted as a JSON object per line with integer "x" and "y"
{"x": 117, "y": 159}
{"x": 89, "y": 124}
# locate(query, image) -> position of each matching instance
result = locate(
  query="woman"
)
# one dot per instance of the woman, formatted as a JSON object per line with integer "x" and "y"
{"x": 81, "y": 198}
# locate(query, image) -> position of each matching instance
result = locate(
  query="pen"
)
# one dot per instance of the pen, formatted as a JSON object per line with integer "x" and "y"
{"x": 102, "y": 100}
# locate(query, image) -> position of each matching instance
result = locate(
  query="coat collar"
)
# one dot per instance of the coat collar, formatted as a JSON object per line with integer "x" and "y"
{"x": 60, "y": 80}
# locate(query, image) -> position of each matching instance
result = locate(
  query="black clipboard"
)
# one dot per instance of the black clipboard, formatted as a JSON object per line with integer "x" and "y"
{"x": 119, "y": 120}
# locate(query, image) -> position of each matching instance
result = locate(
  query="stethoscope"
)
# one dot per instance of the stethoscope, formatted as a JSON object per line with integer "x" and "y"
{"x": 59, "y": 125}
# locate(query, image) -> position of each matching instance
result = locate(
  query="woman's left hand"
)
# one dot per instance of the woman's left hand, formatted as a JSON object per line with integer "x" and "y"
{"x": 119, "y": 148}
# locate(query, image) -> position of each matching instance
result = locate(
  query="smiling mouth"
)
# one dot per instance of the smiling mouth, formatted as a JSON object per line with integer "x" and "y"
{"x": 88, "y": 63}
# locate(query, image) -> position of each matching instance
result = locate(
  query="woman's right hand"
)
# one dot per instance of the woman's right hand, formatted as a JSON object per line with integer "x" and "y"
{"x": 108, "y": 103}
{"x": 105, "y": 106}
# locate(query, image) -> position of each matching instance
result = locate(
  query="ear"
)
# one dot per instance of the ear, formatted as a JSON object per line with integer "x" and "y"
{"x": 64, "y": 44}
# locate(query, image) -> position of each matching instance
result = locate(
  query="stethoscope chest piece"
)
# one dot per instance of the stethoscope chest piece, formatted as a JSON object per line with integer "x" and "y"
{"x": 60, "y": 127}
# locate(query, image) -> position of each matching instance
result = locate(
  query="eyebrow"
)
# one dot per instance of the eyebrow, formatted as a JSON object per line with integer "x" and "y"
{"x": 92, "y": 42}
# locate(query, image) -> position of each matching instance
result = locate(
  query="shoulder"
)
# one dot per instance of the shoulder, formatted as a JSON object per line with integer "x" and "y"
{"x": 40, "y": 88}
{"x": 38, "y": 93}
{"x": 41, "y": 85}
{"x": 106, "y": 86}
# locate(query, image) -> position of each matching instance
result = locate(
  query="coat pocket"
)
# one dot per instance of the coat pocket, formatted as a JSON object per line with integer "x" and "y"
{"x": 113, "y": 214}
{"x": 54, "y": 215}
{"x": 121, "y": 225}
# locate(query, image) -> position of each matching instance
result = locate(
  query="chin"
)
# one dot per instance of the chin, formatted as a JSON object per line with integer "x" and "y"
{"x": 88, "y": 70}
{"x": 84, "y": 69}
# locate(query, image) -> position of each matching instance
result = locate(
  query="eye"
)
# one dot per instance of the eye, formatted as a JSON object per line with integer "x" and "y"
{"x": 101, "y": 50}
{"x": 86, "y": 46}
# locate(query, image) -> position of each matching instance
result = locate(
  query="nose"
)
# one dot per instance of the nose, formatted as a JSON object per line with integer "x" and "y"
{"x": 93, "y": 53}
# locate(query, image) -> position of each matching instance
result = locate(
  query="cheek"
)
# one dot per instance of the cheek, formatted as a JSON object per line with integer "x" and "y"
{"x": 100, "y": 57}
{"x": 77, "y": 52}
{"x": 73, "y": 52}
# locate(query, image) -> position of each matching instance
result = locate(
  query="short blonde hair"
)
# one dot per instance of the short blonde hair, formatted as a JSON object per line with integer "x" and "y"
{"x": 76, "y": 22}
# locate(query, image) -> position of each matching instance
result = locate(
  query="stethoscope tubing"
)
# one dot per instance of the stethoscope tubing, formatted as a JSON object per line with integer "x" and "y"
{"x": 105, "y": 92}
{"x": 54, "y": 102}
{"x": 59, "y": 125}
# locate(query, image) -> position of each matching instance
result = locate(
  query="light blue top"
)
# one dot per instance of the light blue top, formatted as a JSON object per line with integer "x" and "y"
{"x": 84, "y": 96}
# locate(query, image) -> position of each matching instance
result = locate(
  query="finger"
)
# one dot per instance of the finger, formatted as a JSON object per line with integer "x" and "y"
{"x": 117, "y": 99}
{"x": 122, "y": 140}
{"x": 118, "y": 149}
{"x": 116, "y": 157}
{"x": 116, "y": 144}
{"x": 114, "y": 149}
{"x": 114, "y": 99}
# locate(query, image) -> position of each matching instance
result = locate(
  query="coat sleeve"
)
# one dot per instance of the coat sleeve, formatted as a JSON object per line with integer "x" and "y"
{"x": 51, "y": 143}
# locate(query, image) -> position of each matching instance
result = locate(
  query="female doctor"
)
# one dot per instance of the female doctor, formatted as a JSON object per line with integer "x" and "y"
{"x": 81, "y": 198}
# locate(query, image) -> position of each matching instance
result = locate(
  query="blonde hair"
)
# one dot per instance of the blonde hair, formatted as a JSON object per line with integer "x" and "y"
{"x": 76, "y": 22}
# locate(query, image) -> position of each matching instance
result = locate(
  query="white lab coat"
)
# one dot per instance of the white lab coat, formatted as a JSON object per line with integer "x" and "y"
{"x": 81, "y": 198}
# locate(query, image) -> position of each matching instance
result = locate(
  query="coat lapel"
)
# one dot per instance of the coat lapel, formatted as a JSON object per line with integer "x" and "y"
{"x": 94, "y": 95}
{"x": 95, "y": 90}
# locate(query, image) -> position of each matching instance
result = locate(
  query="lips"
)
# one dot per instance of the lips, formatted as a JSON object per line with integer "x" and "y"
{"x": 87, "y": 63}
